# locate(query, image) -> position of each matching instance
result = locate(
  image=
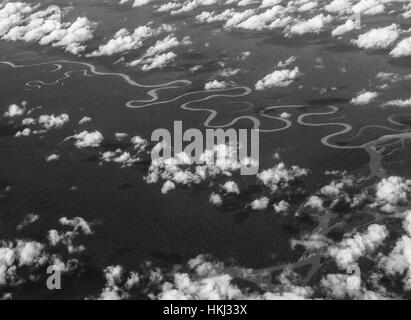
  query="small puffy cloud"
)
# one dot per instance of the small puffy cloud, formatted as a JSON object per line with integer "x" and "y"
{"x": 53, "y": 122}
{"x": 78, "y": 226}
{"x": 403, "y": 103}
{"x": 139, "y": 142}
{"x": 364, "y": 97}
{"x": 281, "y": 206}
{"x": 165, "y": 45}
{"x": 121, "y": 136}
{"x": 168, "y": 186}
{"x": 169, "y": 6}
{"x": 269, "y": 3}
{"x": 392, "y": 191}
{"x": 16, "y": 254}
{"x": 124, "y": 41}
{"x": 315, "y": 202}
{"x": 84, "y": 120}
{"x": 230, "y": 187}
{"x": 260, "y": 204}
{"x": 23, "y": 133}
{"x": 348, "y": 26}
{"x": 158, "y": 61}
{"x": 136, "y": 3}
{"x": 221, "y": 160}
{"x": 392, "y": 77}
{"x": 312, "y": 242}
{"x": 285, "y": 115}
{"x": 119, "y": 156}
{"x": 369, "y": 7}
{"x": 287, "y": 62}
{"x": 378, "y": 38}
{"x": 339, "y": 6}
{"x": 398, "y": 261}
{"x": 21, "y": 21}
{"x": 113, "y": 290}
{"x": 216, "y": 199}
{"x": 345, "y": 286}
{"x": 280, "y": 176}
{"x": 279, "y": 78}
{"x": 347, "y": 252}
{"x": 402, "y": 48}
{"x": 215, "y": 84}
{"x": 238, "y": 17}
{"x": 14, "y": 111}
{"x": 52, "y": 157}
{"x": 29, "y": 219}
{"x": 316, "y": 24}
{"x": 87, "y": 139}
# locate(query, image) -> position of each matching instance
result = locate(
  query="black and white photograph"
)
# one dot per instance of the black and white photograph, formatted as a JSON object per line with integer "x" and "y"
{"x": 205, "y": 150}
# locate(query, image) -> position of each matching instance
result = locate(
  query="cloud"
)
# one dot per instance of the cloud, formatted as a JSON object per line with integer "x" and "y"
{"x": 52, "y": 157}
{"x": 230, "y": 187}
{"x": 167, "y": 186}
{"x": 339, "y": 6}
{"x": 402, "y": 49}
{"x": 215, "y": 84}
{"x": 157, "y": 56}
{"x": 348, "y": 26}
{"x": 269, "y": 3}
{"x": 315, "y": 202}
{"x": 169, "y": 6}
{"x": 312, "y": 242}
{"x": 216, "y": 199}
{"x": 190, "y": 5}
{"x": 87, "y": 139}
{"x": 398, "y": 261}
{"x": 316, "y": 24}
{"x": 17, "y": 254}
{"x": 14, "y": 111}
{"x": 136, "y": 3}
{"x": 158, "y": 61}
{"x": 181, "y": 169}
{"x": 403, "y": 103}
{"x": 392, "y": 77}
{"x": 29, "y": 219}
{"x": 281, "y": 206}
{"x": 260, "y": 204}
{"x": 53, "y": 122}
{"x": 344, "y": 286}
{"x": 84, "y": 120}
{"x": 287, "y": 62}
{"x": 347, "y": 252}
{"x": 78, "y": 225}
{"x": 210, "y": 17}
{"x": 21, "y": 21}
{"x": 119, "y": 156}
{"x": 237, "y": 17}
{"x": 208, "y": 281}
{"x": 369, "y": 7}
{"x": 262, "y": 20}
{"x": 279, "y": 78}
{"x": 392, "y": 191}
{"x": 280, "y": 176}
{"x": 166, "y": 44}
{"x": 23, "y": 133}
{"x": 378, "y": 38}
{"x": 124, "y": 41}
{"x": 364, "y": 97}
